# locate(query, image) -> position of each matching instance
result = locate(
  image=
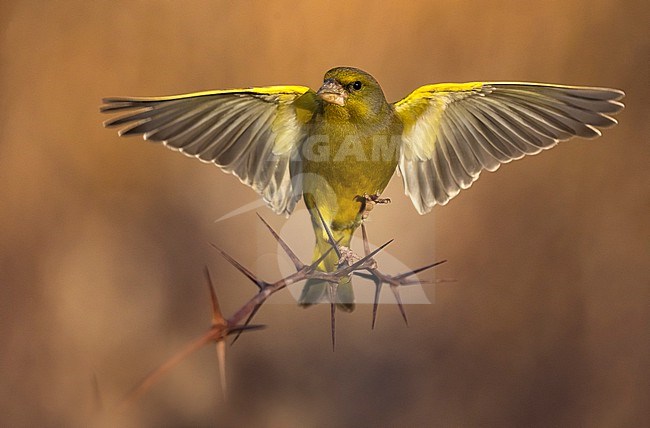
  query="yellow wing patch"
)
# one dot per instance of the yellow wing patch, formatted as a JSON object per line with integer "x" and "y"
{"x": 422, "y": 110}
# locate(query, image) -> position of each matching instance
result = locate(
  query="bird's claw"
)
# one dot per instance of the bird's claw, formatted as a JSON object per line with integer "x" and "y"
{"x": 349, "y": 258}
{"x": 369, "y": 202}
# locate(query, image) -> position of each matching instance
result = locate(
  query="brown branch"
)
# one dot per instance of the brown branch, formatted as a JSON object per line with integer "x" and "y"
{"x": 239, "y": 322}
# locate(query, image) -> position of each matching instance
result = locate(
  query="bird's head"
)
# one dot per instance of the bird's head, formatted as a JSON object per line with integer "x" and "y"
{"x": 353, "y": 90}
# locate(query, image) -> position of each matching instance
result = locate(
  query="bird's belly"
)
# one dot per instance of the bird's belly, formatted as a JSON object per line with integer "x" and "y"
{"x": 334, "y": 183}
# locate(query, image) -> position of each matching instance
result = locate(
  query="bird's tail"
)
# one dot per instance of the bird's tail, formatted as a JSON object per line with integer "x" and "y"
{"x": 318, "y": 291}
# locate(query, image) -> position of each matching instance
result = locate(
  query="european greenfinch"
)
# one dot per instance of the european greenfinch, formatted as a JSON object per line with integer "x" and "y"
{"x": 338, "y": 147}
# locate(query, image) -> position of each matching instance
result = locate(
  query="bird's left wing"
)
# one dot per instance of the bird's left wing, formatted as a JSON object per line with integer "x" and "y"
{"x": 251, "y": 133}
{"x": 454, "y": 131}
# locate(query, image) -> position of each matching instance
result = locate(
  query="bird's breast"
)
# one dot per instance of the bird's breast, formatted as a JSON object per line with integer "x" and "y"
{"x": 342, "y": 162}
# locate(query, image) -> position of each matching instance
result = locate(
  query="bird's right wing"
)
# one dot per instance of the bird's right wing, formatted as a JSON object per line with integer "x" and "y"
{"x": 252, "y": 133}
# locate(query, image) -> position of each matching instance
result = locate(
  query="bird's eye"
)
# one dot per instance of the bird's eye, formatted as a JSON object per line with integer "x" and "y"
{"x": 356, "y": 85}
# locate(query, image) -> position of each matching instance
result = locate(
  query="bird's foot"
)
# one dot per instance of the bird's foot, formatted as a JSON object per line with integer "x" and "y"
{"x": 369, "y": 202}
{"x": 349, "y": 257}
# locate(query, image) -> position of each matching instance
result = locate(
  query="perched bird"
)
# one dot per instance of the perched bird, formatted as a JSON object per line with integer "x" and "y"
{"x": 338, "y": 147}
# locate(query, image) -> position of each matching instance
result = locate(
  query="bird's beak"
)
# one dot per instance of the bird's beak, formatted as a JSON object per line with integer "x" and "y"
{"x": 333, "y": 92}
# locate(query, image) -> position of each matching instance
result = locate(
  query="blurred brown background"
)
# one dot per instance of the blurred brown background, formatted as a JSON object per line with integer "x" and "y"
{"x": 104, "y": 239}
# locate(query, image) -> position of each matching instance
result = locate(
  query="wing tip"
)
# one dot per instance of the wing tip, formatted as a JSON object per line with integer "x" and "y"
{"x": 619, "y": 94}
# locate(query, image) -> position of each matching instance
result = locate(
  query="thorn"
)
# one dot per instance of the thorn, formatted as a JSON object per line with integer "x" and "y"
{"x": 418, "y": 270}
{"x": 331, "y": 290}
{"x": 407, "y": 282}
{"x": 248, "y": 320}
{"x": 364, "y": 275}
{"x": 329, "y": 233}
{"x": 221, "y": 360}
{"x": 333, "y": 320}
{"x": 243, "y": 328}
{"x": 395, "y": 291}
{"x": 294, "y": 258}
{"x": 376, "y": 303}
{"x": 250, "y": 275}
{"x": 217, "y": 317}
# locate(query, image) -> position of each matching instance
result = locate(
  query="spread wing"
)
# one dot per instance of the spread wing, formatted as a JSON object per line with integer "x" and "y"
{"x": 251, "y": 133}
{"x": 452, "y": 132}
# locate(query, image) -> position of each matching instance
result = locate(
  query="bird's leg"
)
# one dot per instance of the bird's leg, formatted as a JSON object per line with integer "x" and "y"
{"x": 369, "y": 202}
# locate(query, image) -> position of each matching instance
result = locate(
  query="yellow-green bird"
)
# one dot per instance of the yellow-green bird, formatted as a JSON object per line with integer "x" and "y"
{"x": 338, "y": 147}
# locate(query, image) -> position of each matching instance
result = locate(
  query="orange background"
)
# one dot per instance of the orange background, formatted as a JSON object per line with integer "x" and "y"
{"x": 104, "y": 239}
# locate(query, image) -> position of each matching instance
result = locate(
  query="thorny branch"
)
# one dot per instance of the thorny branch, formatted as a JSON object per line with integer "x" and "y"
{"x": 239, "y": 322}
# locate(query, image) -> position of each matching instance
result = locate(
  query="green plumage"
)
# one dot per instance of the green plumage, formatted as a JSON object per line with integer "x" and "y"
{"x": 356, "y": 154}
